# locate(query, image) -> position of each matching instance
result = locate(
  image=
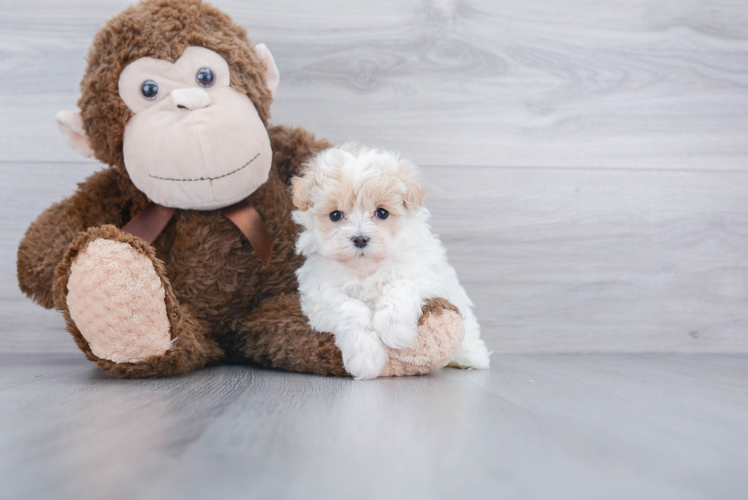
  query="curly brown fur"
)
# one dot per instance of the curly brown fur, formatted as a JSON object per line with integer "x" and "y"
{"x": 106, "y": 197}
{"x": 278, "y": 335}
{"x": 291, "y": 148}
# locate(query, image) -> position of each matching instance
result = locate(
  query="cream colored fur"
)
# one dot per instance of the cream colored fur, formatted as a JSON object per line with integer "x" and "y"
{"x": 117, "y": 302}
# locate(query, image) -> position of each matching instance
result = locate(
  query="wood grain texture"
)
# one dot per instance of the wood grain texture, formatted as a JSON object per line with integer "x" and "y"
{"x": 534, "y": 427}
{"x": 556, "y": 260}
{"x": 649, "y": 83}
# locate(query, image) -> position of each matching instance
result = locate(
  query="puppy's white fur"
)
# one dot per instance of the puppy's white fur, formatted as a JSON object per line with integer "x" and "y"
{"x": 372, "y": 296}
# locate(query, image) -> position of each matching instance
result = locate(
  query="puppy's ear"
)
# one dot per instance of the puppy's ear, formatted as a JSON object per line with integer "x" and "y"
{"x": 301, "y": 196}
{"x": 415, "y": 193}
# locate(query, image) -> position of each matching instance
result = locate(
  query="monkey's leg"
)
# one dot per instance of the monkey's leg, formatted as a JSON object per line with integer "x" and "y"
{"x": 278, "y": 335}
{"x": 122, "y": 312}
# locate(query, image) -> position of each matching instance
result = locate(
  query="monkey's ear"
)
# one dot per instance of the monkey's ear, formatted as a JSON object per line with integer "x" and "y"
{"x": 272, "y": 76}
{"x": 71, "y": 126}
{"x": 301, "y": 198}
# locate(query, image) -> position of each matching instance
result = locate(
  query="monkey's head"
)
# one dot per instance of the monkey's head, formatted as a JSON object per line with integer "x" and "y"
{"x": 176, "y": 96}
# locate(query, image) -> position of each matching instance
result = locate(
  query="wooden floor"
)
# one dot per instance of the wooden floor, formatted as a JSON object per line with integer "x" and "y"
{"x": 588, "y": 171}
{"x": 659, "y": 426}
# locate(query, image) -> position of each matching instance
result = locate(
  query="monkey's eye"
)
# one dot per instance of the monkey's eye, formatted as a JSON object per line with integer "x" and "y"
{"x": 336, "y": 215}
{"x": 205, "y": 77}
{"x": 382, "y": 213}
{"x": 149, "y": 89}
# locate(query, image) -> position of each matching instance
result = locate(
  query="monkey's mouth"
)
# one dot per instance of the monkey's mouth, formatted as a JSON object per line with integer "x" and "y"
{"x": 207, "y": 178}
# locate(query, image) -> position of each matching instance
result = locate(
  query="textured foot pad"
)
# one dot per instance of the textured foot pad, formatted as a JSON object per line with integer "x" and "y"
{"x": 117, "y": 302}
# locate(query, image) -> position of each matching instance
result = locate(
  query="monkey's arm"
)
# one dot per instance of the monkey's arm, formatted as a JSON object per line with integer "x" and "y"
{"x": 292, "y": 146}
{"x": 99, "y": 200}
{"x": 278, "y": 335}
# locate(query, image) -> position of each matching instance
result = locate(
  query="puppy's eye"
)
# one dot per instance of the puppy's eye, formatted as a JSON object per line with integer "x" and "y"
{"x": 205, "y": 77}
{"x": 336, "y": 215}
{"x": 149, "y": 89}
{"x": 382, "y": 213}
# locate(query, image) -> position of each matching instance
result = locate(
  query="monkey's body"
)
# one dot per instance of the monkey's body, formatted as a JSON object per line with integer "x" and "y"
{"x": 216, "y": 277}
{"x": 201, "y": 279}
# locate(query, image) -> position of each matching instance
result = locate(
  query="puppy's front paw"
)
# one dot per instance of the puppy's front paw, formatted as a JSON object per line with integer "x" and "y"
{"x": 397, "y": 330}
{"x": 364, "y": 356}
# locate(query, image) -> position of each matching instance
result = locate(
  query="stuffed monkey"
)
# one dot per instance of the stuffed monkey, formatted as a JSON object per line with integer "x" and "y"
{"x": 180, "y": 253}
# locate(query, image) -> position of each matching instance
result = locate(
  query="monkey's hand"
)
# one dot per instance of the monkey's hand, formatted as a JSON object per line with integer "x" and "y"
{"x": 396, "y": 314}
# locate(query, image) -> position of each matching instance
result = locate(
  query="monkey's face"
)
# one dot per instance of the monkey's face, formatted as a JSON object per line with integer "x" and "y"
{"x": 193, "y": 142}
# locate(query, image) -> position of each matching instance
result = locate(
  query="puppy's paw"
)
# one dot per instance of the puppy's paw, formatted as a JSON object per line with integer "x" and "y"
{"x": 472, "y": 354}
{"x": 364, "y": 356}
{"x": 397, "y": 330}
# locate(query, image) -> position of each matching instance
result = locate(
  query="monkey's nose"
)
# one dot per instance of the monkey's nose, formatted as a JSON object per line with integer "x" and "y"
{"x": 190, "y": 98}
{"x": 360, "y": 241}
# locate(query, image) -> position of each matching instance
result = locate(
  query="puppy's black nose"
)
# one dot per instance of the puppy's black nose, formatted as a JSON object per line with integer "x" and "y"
{"x": 360, "y": 241}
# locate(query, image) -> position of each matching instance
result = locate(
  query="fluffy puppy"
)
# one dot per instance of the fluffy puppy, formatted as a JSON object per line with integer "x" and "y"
{"x": 371, "y": 259}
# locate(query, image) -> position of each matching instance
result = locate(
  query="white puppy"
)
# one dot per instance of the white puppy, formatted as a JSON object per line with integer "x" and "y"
{"x": 371, "y": 259}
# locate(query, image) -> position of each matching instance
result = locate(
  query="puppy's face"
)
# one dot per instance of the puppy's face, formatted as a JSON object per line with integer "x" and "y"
{"x": 355, "y": 201}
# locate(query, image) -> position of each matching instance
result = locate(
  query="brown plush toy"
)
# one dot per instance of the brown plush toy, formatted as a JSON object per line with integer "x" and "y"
{"x": 180, "y": 253}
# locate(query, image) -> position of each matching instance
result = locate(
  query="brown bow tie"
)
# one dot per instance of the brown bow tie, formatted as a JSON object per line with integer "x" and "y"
{"x": 149, "y": 223}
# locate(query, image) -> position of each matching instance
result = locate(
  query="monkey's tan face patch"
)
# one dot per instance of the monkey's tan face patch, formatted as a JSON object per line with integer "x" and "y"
{"x": 194, "y": 142}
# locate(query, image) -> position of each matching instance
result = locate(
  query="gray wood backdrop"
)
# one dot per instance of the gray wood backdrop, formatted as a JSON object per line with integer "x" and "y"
{"x": 587, "y": 160}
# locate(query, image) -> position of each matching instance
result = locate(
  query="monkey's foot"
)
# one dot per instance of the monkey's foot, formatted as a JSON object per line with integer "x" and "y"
{"x": 117, "y": 301}
{"x": 440, "y": 334}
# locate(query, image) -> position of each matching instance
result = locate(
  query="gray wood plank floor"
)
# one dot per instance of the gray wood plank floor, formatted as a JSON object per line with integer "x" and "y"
{"x": 534, "y": 427}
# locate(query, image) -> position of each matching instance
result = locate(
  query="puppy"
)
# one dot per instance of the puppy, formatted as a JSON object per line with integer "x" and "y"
{"x": 371, "y": 259}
